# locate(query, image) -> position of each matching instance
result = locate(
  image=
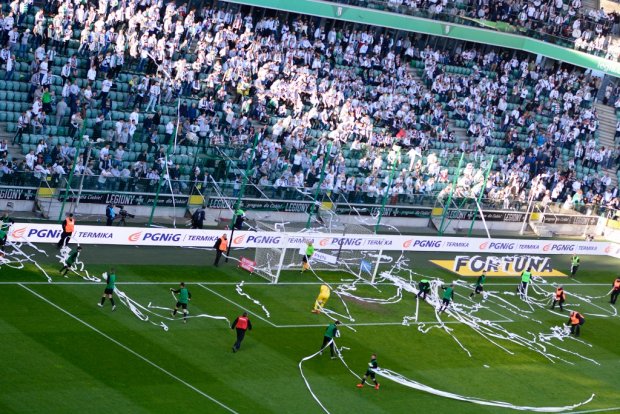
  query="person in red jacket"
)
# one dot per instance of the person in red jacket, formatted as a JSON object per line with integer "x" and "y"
{"x": 241, "y": 324}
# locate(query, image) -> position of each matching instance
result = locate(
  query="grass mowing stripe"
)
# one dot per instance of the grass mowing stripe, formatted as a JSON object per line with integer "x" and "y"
{"x": 131, "y": 351}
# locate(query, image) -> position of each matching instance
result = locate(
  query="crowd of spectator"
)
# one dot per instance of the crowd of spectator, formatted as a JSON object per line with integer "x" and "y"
{"x": 329, "y": 106}
{"x": 592, "y": 31}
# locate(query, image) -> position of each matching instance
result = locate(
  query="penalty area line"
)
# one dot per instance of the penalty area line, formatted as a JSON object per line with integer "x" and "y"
{"x": 131, "y": 351}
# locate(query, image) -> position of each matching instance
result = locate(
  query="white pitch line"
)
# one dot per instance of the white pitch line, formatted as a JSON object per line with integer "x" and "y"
{"x": 600, "y": 410}
{"x": 131, "y": 351}
{"x": 236, "y": 304}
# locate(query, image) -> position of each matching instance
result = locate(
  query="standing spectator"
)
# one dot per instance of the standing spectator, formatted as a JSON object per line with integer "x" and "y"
{"x": 169, "y": 132}
{"x": 241, "y": 324}
{"x": 10, "y": 68}
{"x": 106, "y": 85}
{"x": 154, "y": 93}
{"x": 61, "y": 111}
{"x": 22, "y": 124}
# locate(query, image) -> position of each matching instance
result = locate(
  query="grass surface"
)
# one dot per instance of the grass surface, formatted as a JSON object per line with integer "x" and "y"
{"x": 63, "y": 354}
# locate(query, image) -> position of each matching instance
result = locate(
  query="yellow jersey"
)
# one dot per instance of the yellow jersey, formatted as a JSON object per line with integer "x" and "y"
{"x": 324, "y": 290}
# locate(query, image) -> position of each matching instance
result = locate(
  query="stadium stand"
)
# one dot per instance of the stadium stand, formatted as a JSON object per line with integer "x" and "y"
{"x": 576, "y": 24}
{"x": 126, "y": 75}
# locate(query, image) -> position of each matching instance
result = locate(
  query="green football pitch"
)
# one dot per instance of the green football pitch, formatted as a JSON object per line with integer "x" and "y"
{"x": 63, "y": 354}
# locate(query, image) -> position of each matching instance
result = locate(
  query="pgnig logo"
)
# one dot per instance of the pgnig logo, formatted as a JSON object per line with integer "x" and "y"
{"x": 496, "y": 246}
{"x": 134, "y": 237}
{"x": 154, "y": 236}
{"x": 19, "y": 233}
{"x": 558, "y": 247}
{"x": 422, "y": 243}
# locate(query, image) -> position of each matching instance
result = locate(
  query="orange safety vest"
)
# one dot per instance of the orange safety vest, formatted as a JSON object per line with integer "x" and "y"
{"x": 242, "y": 322}
{"x": 70, "y": 226}
{"x": 559, "y": 294}
{"x": 617, "y": 284}
{"x": 574, "y": 318}
{"x": 223, "y": 244}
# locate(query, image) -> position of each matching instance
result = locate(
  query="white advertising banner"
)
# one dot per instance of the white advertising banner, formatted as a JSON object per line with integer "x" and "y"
{"x": 50, "y": 233}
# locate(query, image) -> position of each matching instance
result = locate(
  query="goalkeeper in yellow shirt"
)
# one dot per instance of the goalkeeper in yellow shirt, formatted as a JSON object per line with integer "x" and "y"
{"x": 322, "y": 299}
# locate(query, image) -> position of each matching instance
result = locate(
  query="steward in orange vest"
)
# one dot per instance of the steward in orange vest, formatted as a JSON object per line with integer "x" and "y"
{"x": 242, "y": 324}
{"x": 68, "y": 226}
{"x": 575, "y": 321}
{"x": 220, "y": 246}
{"x": 615, "y": 291}
{"x": 559, "y": 296}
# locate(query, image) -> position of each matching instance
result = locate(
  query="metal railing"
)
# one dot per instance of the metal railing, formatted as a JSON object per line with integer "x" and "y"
{"x": 82, "y": 187}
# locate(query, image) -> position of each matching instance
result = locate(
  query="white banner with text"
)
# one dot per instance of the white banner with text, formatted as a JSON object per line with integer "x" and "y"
{"x": 136, "y": 236}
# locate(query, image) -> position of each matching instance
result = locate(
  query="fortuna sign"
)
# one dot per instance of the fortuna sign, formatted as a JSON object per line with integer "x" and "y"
{"x": 499, "y": 265}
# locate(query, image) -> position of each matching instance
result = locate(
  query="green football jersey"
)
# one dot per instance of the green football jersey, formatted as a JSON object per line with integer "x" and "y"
{"x": 111, "y": 281}
{"x": 183, "y": 295}
{"x": 331, "y": 330}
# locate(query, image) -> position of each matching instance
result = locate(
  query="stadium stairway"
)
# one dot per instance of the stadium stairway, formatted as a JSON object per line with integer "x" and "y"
{"x": 607, "y": 130}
